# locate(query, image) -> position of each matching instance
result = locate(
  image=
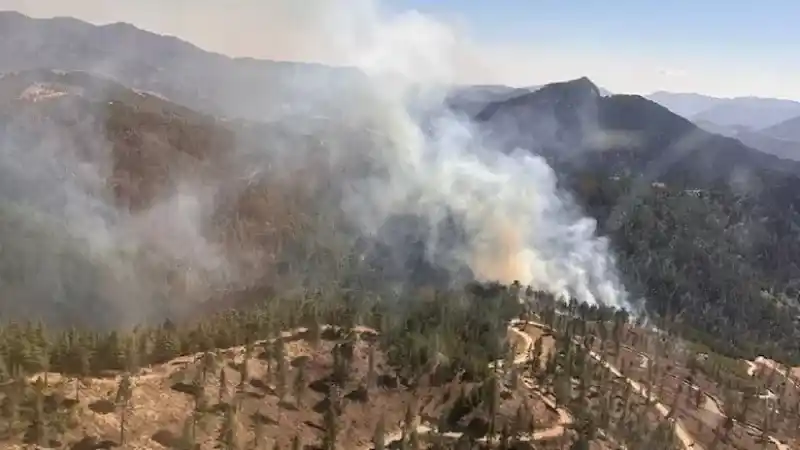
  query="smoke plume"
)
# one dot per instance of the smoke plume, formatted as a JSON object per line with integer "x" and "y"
{"x": 434, "y": 166}
{"x": 371, "y": 157}
{"x": 71, "y": 253}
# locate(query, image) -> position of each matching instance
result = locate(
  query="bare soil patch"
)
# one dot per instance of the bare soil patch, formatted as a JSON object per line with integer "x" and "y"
{"x": 163, "y": 400}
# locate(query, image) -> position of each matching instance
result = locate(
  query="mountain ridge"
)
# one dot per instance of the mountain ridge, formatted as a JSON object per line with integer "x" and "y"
{"x": 612, "y": 124}
{"x": 659, "y": 185}
{"x": 788, "y": 130}
{"x": 752, "y": 112}
{"x": 191, "y": 76}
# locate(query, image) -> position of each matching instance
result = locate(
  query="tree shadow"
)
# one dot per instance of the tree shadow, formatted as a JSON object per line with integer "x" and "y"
{"x": 103, "y": 406}
{"x": 93, "y": 443}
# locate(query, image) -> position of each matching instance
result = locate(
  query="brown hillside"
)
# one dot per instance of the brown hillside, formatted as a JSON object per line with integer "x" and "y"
{"x": 168, "y": 174}
{"x": 165, "y": 397}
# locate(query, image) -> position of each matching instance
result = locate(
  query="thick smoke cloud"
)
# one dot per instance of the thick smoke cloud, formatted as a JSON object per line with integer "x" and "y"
{"x": 378, "y": 155}
{"x": 517, "y": 225}
{"x": 70, "y": 252}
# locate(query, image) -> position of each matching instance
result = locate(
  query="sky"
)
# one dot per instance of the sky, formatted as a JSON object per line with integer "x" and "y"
{"x": 714, "y": 47}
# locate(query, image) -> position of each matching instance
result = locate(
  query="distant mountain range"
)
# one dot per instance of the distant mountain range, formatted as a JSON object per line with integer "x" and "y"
{"x": 576, "y": 127}
{"x": 210, "y": 82}
{"x": 767, "y": 124}
{"x": 754, "y": 113}
{"x": 788, "y": 130}
{"x": 241, "y": 88}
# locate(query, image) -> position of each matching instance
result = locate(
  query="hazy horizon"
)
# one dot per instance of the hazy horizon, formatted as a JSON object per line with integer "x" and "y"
{"x": 627, "y": 47}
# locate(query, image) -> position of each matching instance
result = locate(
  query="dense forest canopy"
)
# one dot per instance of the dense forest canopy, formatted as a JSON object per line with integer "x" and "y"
{"x": 702, "y": 227}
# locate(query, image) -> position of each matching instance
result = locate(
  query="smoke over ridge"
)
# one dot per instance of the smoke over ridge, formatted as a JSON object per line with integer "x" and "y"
{"x": 518, "y": 225}
{"x": 383, "y": 146}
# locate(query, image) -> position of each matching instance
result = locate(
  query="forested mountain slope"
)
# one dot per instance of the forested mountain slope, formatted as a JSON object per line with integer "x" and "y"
{"x": 705, "y": 228}
{"x": 136, "y": 208}
{"x": 209, "y": 82}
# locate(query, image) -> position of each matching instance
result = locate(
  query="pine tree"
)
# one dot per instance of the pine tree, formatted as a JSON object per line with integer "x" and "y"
{"x": 270, "y": 356}
{"x": 199, "y": 394}
{"x": 408, "y": 423}
{"x": 166, "y": 346}
{"x": 413, "y": 441}
{"x": 111, "y": 352}
{"x": 340, "y": 365}
{"x": 189, "y": 433}
{"x": 13, "y": 401}
{"x": 491, "y": 399}
{"x": 331, "y": 419}
{"x": 510, "y": 357}
{"x": 122, "y": 400}
{"x": 5, "y": 374}
{"x": 144, "y": 346}
{"x": 331, "y": 423}
{"x": 259, "y": 432}
{"x": 519, "y": 425}
{"x": 207, "y": 365}
{"x": 38, "y": 428}
{"x": 132, "y": 358}
{"x": 378, "y": 438}
{"x": 223, "y": 386}
{"x": 83, "y": 366}
{"x": 580, "y": 444}
{"x": 698, "y": 398}
{"x": 514, "y": 379}
{"x": 766, "y": 425}
{"x": 315, "y": 331}
{"x": 229, "y": 437}
{"x": 563, "y": 390}
{"x": 505, "y": 437}
{"x": 43, "y": 360}
{"x": 281, "y": 382}
{"x": 299, "y": 386}
{"x": 244, "y": 374}
{"x": 442, "y": 422}
{"x": 281, "y": 369}
{"x": 372, "y": 375}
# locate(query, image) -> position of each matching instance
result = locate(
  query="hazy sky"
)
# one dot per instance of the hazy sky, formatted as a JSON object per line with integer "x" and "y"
{"x": 717, "y": 47}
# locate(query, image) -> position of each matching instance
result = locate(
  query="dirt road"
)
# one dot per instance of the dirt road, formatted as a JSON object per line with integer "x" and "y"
{"x": 564, "y": 417}
{"x": 686, "y": 439}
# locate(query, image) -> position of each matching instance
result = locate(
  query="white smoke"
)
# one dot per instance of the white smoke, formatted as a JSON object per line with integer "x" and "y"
{"x": 65, "y": 238}
{"x": 400, "y": 153}
{"x": 518, "y": 225}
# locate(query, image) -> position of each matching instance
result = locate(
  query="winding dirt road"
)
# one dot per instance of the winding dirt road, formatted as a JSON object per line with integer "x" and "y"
{"x": 681, "y": 433}
{"x": 714, "y": 405}
{"x": 565, "y": 418}
{"x": 558, "y": 430}
{"x": 686, "y": 439}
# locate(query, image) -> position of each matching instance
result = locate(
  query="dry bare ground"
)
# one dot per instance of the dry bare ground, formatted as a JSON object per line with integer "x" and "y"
{"x": 160, "y": 404}
{"x": 159, "y": 409}
{"x": 711, "y": 412}
{"x": 522, "y": 342}
{"x": 685, "y": 438}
